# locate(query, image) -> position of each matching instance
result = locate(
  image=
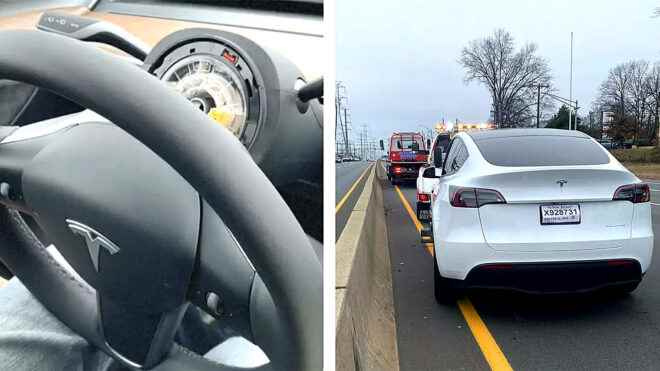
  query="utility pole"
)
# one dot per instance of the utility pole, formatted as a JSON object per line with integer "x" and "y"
{"x": 361, "y": 145}
{"x": 364, "y": 138}
{"x": 538, "y": 106}
{"x": 347, "y": 144}
{"x": 343, "y": 126}
{"x": 570, "y": 94}
{"x": 538, "y": 103}
{"x": 338, "y": 113}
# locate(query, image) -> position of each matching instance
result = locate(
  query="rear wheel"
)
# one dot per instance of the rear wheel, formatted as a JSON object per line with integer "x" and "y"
{"x": 443, "y": 291}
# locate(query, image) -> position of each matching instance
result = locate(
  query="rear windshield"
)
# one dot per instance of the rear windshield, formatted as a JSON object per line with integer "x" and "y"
{"x": 443, "y": 141}
{"x": 406, "y": 142}
{"x": 542, "y": 151}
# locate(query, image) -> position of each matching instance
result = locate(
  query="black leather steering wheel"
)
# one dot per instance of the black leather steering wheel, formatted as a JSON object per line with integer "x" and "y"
{"x": 134, "y": 207}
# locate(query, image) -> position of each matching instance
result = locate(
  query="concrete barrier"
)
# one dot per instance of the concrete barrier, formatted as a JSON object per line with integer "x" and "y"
{"x": 365, "y": 328}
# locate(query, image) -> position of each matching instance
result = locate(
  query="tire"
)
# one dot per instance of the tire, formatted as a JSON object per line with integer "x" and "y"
{"x": 444, "y": 293}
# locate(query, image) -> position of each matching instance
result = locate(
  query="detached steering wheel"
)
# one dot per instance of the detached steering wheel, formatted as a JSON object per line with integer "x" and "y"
{"x": 134, "y": 208}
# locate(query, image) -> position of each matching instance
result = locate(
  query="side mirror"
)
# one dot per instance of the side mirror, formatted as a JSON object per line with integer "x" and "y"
{"x": 437, "y": 157}
{"x": 428, "y": 143}
{"x": 398, "y": 144}
{"x": 382, "y": 145}
{"x": 429, "y": 172}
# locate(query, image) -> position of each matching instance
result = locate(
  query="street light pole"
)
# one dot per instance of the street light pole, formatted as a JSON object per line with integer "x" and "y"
{"x": 570, "y": 94}
{"x": 538, "y": 106}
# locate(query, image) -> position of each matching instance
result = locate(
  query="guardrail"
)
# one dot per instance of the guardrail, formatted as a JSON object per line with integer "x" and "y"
{"x": 365, "y": 328}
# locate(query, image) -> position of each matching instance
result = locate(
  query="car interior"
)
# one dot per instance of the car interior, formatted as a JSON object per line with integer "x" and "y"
{"x": 161, "y": 176}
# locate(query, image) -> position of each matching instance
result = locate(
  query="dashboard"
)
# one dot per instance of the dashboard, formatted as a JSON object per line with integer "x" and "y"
{"x": 239, "y": 62}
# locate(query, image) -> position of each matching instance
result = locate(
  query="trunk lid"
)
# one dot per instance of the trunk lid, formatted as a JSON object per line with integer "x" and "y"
{"x": 516, "y": 225}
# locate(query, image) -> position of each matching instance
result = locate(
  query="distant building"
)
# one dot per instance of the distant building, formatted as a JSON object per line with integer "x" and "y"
{"x": 606, "y": 120}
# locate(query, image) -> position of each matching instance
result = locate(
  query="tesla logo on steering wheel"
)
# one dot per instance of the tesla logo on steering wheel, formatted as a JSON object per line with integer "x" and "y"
{"x": 93, "y": 240}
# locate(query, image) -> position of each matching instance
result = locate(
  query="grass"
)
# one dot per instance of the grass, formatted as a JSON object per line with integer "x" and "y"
{"x": 635, "y": 155}
{"x": 643, "y": 162}
{"x": 644, "y": 170}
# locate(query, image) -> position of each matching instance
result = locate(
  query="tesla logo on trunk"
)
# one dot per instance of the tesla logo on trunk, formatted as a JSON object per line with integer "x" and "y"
{"x": 93, "y": 240}
{"x": 561, "y": 183}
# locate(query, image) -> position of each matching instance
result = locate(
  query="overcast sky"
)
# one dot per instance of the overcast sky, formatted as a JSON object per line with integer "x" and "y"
{"x": 398, "y": 59}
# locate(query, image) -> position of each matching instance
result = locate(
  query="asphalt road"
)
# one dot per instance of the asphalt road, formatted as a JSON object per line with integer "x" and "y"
{"x": 576, "y": 332}
{"x": 347, "y": 174}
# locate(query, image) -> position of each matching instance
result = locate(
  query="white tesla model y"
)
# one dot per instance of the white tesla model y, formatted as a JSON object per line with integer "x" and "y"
{"x": 537, "y": 210}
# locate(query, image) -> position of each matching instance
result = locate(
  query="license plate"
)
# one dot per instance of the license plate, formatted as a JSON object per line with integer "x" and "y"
{"x": 424, "y": 211}
{"x": 408, "y": 156}
{"x": 560, "y": 214}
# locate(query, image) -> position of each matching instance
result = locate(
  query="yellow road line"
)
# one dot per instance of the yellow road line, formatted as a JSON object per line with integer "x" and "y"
{"x": 413, "y": 217}
{"x": 491, "y": 351}
{"x": 350, "y": 190}
{"x": 489, "y": 348}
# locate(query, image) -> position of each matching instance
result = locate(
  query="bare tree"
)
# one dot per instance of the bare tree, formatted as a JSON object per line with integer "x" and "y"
{"x": 653, "y": 91}
{"x": 512, "y": 77}
{"x": 632, "y": 92}
{"x": 637, "y": 93}
{"x": 614, "y": 90}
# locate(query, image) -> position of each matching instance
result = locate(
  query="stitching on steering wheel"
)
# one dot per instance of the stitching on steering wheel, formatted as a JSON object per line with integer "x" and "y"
{"x": 194, "y": 355}
{"x": 33, "y": 242}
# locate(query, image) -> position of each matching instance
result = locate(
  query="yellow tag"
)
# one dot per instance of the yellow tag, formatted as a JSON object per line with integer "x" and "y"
{"x": 221, "y": 116}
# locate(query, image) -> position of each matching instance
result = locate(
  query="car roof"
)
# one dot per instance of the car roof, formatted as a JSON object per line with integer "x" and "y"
{"x": 508, "y": 133}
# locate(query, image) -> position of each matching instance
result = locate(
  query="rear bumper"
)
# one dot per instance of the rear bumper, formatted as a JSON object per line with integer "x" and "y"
{"x": 554, "y": 277}
{"x": 458, "y": 260}
{"x": 408, "y": 170}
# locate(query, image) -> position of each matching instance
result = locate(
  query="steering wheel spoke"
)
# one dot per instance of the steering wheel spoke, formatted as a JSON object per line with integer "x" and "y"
{"x": 20, "y": 144}
{"x": 223, "y": 293}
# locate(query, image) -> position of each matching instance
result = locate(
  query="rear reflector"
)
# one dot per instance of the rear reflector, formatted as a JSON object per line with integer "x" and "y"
{"x": 635, "y": 193}
{"x": 620, "y": 263}
{"x": 423, "y": 197}
{"x": 497, "y": 266}
{"x": 474, "y": 197}
{"x": 397, "y": 170}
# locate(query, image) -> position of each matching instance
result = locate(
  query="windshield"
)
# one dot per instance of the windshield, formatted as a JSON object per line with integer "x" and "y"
{"x": 288, "y": 6}
{"x": 407, "y": 143}
{"x": 542, "y": 151}
{"x": 224, "y": 2}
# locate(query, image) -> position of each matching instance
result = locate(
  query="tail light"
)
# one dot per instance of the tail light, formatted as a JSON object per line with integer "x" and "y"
{"x": 474, "y": 197}
{"x": 423, "y": 197}
{"x": 635, "y": 193}
{"x": 397, "y": 170}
